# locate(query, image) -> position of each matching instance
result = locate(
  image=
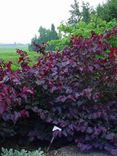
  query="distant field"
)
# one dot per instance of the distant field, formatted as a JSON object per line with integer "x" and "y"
{"x": 8, "y": 53}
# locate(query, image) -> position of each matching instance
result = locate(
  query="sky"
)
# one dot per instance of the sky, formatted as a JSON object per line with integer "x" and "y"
{"x": 21, "y": 19}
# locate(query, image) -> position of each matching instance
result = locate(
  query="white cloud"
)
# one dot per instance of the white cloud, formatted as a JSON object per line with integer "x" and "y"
{"x": 21, "y": 19}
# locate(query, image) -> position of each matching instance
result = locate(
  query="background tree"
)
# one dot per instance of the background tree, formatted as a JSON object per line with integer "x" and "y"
{"x": 75, "y": 13}
{"x": 78, "y": 14}
{"x": 53, "y": 34}
{"x": 86, "y": 12}
{"x": 108, "y": 10}
{"x": 45, "y": 35}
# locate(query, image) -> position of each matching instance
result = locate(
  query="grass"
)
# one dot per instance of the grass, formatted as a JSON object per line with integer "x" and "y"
{"x": 8, "y": 53}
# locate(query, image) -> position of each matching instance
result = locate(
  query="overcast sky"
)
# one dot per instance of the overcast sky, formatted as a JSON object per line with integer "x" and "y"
{"x": 21, "y": 19}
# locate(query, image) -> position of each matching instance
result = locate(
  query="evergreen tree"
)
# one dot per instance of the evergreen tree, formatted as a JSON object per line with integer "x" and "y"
{"x": 45, "y": 35}
{"x": 86, "y": 12}
{"x": 75, "y": 13}
{"x": 108, "y": 11}
{"x": 54, "y": 34}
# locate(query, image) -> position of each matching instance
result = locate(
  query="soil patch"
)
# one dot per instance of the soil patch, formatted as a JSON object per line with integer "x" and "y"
{"x": 73, "y": 151}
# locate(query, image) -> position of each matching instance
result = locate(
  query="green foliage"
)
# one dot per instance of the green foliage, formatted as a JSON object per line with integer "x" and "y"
{"x": 60, "y": 44}
{"x": 11, "y": 152}
{"x": 108, "y": 10}
{"x": 84, "y": 21}
{"x": 83, "y": 29}
{"x": 113, "y": 41}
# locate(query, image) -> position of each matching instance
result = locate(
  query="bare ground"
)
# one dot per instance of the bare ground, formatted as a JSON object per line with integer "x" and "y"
{"x": 73, "y": 151}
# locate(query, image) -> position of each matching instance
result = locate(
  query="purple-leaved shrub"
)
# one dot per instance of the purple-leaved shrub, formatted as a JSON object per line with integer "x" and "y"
{"x": 75, "y": 90}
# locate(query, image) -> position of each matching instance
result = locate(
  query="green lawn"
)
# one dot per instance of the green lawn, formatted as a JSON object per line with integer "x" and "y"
{"x": 8, "y": 53}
